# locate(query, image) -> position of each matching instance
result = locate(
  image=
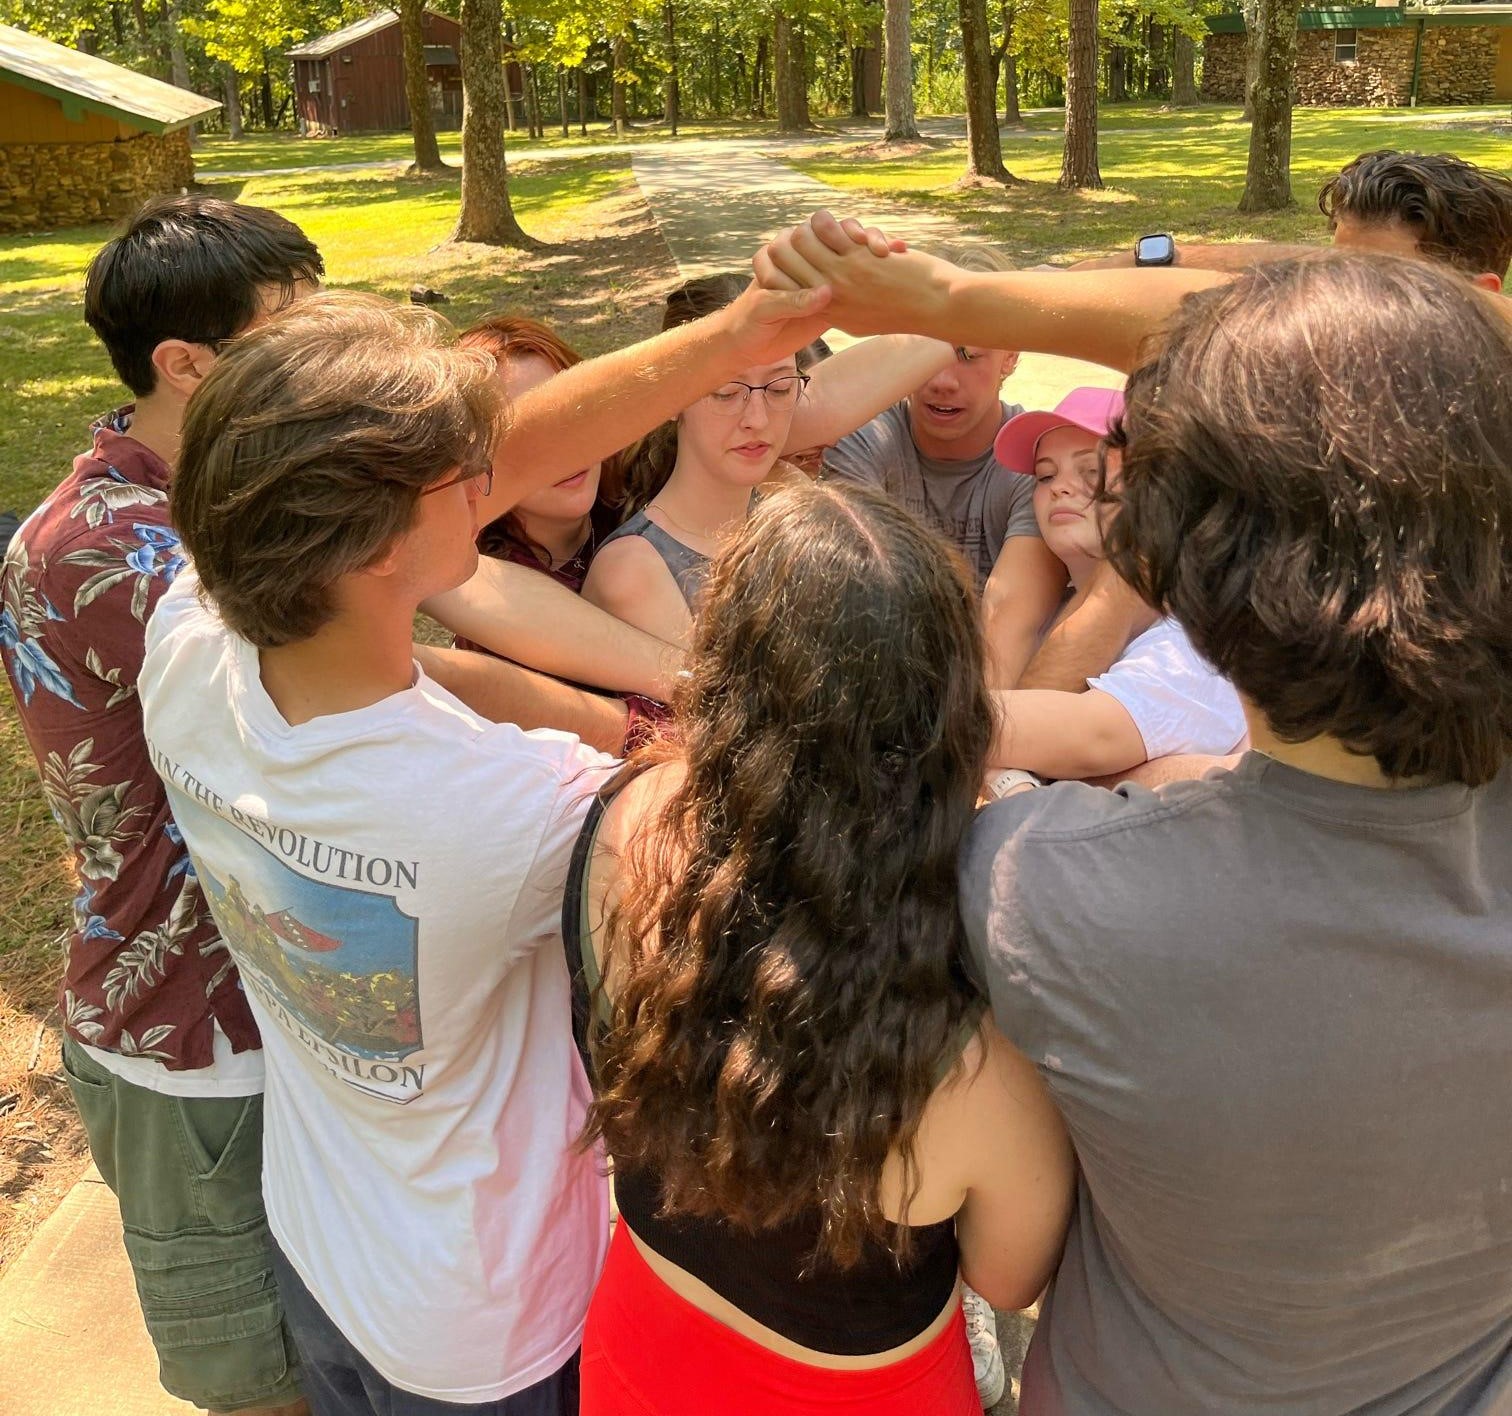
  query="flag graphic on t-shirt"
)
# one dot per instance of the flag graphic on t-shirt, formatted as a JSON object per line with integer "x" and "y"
{"x": 339, "y": 962}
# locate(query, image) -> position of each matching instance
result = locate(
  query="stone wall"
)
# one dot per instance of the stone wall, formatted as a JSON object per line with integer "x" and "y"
{"x": 1223, "y": 68}
{"x": 46, "y": 185}
{"x": 1459, "y": 66}
{"x": 1380, "y": 77}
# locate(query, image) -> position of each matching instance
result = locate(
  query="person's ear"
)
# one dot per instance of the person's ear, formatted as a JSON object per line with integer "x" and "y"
{"x": 181, "y": 364}
{"x": 1487, "y": 280}
{"x": 1010, "y": 361}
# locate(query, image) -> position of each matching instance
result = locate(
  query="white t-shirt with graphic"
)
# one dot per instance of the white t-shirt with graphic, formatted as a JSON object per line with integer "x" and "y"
{"x": 390, "y": 882}
{"x": 1178, "y": 701}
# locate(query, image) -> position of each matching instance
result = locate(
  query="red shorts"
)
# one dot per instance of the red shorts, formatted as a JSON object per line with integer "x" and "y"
{"x": 647, "y": 1351}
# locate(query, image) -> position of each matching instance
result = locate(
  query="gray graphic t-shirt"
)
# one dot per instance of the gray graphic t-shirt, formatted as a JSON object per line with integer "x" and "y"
{"x": 976, "y": 503}
{"x": 1274, "y": 1011}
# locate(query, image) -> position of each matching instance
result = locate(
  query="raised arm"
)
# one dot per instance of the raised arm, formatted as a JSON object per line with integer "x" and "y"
{"x": 1229, "y": 256}
{"x": 527, "y": 616}
{"x": 599, "y": 406}
{"x": 1089, "y": 639}
{"x": 850, "y": 388}
{"x": 1101, "y": 316}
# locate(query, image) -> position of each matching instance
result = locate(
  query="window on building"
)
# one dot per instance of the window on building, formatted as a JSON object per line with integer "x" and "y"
{"x": 314, "y": 85}
{"x": 1345, "y": 44}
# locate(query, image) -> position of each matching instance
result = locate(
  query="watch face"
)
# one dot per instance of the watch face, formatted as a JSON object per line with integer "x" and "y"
{"x": 1155, "y": 250}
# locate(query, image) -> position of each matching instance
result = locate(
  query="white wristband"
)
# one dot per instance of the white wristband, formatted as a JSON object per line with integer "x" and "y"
{"x": 1001, "y": 783}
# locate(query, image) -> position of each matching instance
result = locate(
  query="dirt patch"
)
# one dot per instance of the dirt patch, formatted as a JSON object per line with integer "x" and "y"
{"x": 42, "y": 1147}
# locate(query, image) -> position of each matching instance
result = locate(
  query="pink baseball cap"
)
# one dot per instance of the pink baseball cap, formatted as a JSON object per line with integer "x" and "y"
{"x": 1091, "y": 409}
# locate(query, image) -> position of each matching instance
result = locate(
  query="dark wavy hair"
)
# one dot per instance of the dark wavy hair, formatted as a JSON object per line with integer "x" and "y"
{"x": 1317, "y": 484}
{"x": 805, "y": 993}
{"x": 1461, "y": 213}
{"x": 649, "y": 463}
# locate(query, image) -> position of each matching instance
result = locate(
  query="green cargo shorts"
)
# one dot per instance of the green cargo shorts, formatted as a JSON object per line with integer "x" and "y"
{"x": 188, "y": 1174}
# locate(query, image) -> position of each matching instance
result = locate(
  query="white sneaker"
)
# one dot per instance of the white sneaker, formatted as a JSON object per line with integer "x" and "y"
{"x": 986, "y": 1355}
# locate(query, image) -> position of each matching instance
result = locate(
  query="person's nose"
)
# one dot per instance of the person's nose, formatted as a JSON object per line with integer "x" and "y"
{"x": 755, "y": 415}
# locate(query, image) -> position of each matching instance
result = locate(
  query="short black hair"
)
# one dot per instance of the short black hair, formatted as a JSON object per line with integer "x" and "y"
{"x": 189, "y": 268}
{"x": 1461, "y": 213}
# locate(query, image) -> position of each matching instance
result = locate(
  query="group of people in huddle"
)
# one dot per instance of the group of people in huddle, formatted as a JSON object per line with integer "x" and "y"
{"x": 931, "y": 855}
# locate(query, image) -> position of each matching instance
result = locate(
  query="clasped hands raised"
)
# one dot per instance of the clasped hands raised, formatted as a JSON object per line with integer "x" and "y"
{"x": 874, "y": 283}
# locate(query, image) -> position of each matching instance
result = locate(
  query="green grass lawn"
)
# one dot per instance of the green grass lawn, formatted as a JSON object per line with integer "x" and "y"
{"x": 257, "y": 152}
{"x": 1166, "y": 170}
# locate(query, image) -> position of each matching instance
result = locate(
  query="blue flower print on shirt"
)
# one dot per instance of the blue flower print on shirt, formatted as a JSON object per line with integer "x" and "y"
{"x": 31, "y": 666}
{"x": 182, "y": 866}
{"x": 154, "y": 540}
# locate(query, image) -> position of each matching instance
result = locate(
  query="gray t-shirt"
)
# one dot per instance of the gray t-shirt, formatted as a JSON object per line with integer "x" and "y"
{"x": 1276, "y": 1013}
{"x": 977, "y": 503}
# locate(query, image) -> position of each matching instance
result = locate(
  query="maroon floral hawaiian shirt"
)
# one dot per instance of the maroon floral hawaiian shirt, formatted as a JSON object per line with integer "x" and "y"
{"x": 147, "y": 972}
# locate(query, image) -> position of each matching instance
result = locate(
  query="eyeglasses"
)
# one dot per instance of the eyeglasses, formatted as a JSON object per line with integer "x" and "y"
{"x": 485, "y": 477}
{"x": 778, "y": 393}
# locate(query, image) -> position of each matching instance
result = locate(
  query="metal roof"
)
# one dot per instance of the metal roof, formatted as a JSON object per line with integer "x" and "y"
{"x": 360, "y": 29}
{"x": 1379, "y": 17}
{"x": 84, "y": 82}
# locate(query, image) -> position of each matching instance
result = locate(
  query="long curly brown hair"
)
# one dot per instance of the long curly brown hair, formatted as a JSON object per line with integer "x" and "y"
{"x": 787, "y": 950}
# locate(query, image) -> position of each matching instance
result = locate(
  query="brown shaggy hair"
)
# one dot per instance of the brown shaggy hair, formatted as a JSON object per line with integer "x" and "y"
{"x": 518, "y": 337}
{"x": 306, "y": 449}
{"x": 1317, "y": 484}
{"x": 805, "y": 992}
{"x": 1462, "y": 214}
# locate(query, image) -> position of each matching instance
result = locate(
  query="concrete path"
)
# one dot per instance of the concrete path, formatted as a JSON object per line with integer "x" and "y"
{"x": 70, "y": 1328}
{"x": 716, "y": 208}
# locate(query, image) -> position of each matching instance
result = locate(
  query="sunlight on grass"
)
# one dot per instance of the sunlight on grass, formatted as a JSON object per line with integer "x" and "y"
{"x": 1174, "y": 170}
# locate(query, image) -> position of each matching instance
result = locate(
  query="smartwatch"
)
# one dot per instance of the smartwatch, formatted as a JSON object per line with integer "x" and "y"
{"x": 1001, "y": 783}
{"x": 1157, "y": 250}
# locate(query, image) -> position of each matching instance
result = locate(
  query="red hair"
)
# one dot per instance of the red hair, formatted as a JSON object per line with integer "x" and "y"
{"x": 509, "y": 337}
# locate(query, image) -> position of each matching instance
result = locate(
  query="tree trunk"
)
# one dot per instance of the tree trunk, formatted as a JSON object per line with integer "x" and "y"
{"x": 1009, "y": 66}
{"x": 619, "y": 112}
{"x": 1251, "y": 11}
{"x": 714, "y": 63}
{"x": 178, "y": 64}
{"x": 670, "y": 99}
{"x": 898, "y": 104}
{"x": 1158, "y": 76}
{"x": 417, "y": 89}
{"x": 759, "y": 77}
{"x": 231, "y": 93}
{"x": 533, "y": 102}
{"x": 1118, "y": 74}
{"x": 1267, "y": 183}
{"x": 984, "y": 150}
{"x": 562, "y": 99}
{"x": 792, "y": 76}
{"x": 858, "y": 82}
{"x": 267, "y": 94}
{"x": 1079, "y": 159}
{"x": 582, "y": 97}
{"x": 1183, "y": 71}
{"x": 486, "y": 215}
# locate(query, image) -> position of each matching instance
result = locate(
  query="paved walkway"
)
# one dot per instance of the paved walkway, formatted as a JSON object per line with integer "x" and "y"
{"x": 715, "y": 208}
{"x": 70, "y": 1329}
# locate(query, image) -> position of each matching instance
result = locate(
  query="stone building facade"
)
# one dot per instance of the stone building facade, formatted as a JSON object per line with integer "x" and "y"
{"x": 1370, "y": 67}
{"x": 45, "y": 185}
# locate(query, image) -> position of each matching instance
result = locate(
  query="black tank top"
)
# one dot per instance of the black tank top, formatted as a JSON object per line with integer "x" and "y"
{"x": 771, "y": 1275}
